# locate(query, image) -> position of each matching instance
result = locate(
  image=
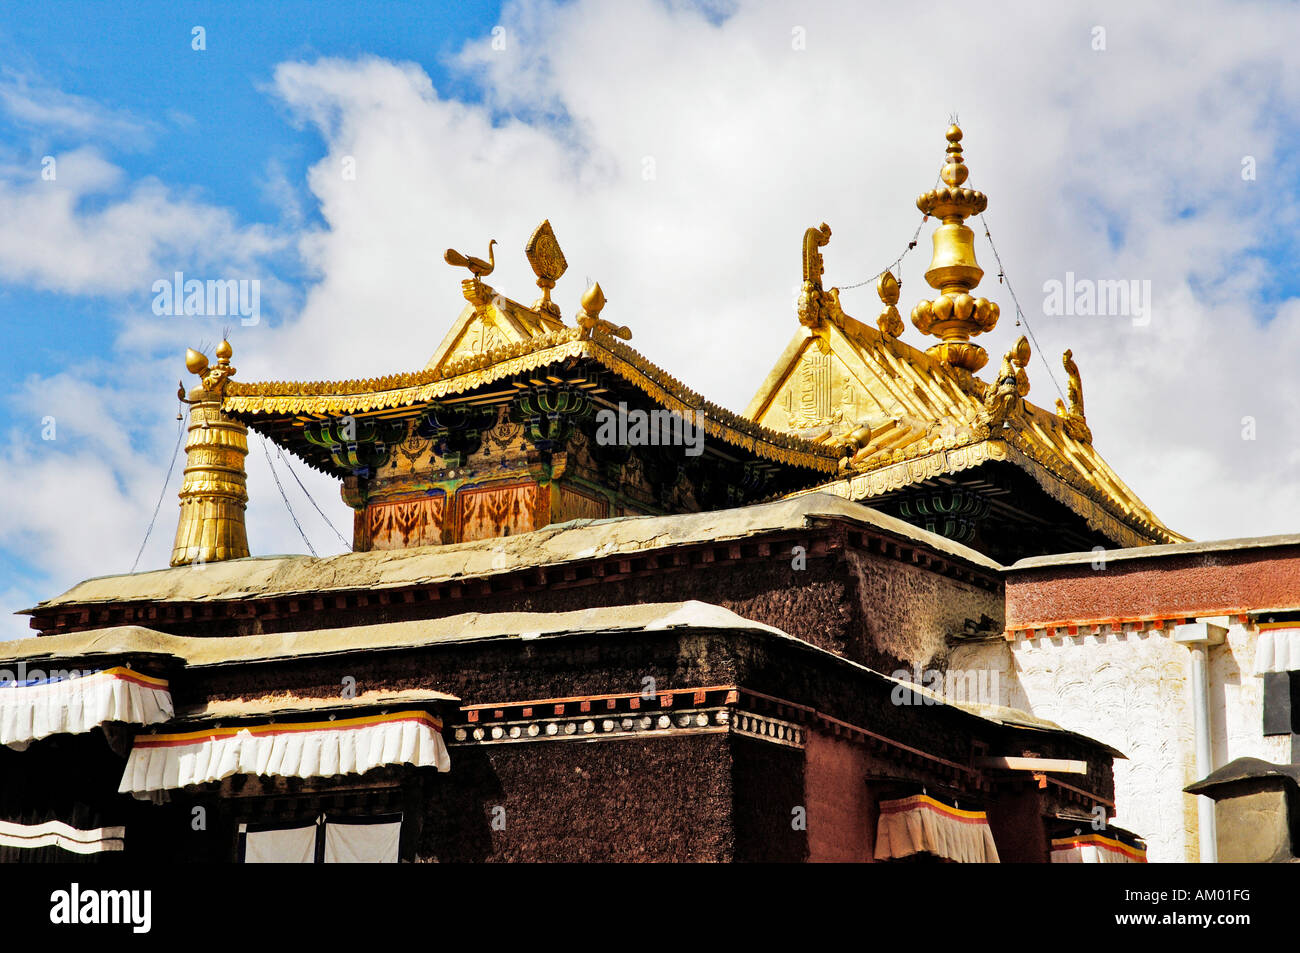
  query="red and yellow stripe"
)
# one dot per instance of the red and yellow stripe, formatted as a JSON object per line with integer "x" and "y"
{"x": 285, "y": 728}
{"x": 139, "y": 678}
{"x": 1105, "y": 843}
{"x": 922, "y": 801}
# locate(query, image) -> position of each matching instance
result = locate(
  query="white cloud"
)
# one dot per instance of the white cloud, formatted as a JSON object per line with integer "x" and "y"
{"x": 43, "y": 107}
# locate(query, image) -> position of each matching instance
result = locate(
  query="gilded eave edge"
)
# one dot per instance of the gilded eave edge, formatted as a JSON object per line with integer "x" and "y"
{"x": 1094, "y": 506}
{"x": 282, "y": 398}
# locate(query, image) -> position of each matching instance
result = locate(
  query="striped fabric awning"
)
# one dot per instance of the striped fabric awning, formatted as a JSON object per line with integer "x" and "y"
{"x": 162, "y": 762}
{"x": 1096, "y": 848}
{"x": 58, "y": 834}
{"x": 73, "y": 702}
{"x": 921, "y": 824}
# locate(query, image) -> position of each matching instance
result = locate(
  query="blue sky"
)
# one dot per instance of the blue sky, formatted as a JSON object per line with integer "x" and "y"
{"x": 758, "y": 118}
{"x": 201, "y": 121}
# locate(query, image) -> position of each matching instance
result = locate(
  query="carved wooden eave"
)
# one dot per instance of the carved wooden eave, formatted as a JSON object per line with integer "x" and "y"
{"x": 927, "y": 419}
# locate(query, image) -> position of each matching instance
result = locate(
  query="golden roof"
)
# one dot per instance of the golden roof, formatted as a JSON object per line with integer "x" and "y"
{"x": 902, "y": 416}
{"x": 928, "y": 418}
{"x": 449, "y": 375}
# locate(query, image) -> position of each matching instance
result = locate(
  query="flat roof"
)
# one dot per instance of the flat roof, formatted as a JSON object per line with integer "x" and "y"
{"x": 200, "y": 652}
{"x": 280, "y": 576}
{"x": 1153, "y": 552}
{"x": 204, "y": 651}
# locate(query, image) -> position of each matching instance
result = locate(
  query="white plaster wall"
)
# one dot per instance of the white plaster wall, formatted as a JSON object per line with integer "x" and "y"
{"x": 1132, "y": 691}
{"x": 1237, "y": 703}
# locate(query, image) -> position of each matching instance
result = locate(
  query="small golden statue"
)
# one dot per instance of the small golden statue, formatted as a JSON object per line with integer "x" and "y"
{"x": 811, "y": 307}
{"x": 477, "y": 266}
{"x": 1076, "y": 424}
{"x": 589, "y": 319}
{"x": 212, "y": 379}
{"x": 1011, "y": 386}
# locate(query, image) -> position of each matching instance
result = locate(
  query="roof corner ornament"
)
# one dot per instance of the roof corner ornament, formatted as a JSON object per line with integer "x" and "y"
{"x": 889, "y": 322}
{"x": 589, "y": 319}
{"x": 544, "y": 254}
{"x": 855, "y": 447}
{"x": 816, "y": 306}
{"x": 1076, "y": 424}
{"x": 214, "y": 493}
{"x": 1012, "y": 385}
{"x": 955, "y": 316}
{"x": 476, "y": 293}
{"x": 212, "y": 379}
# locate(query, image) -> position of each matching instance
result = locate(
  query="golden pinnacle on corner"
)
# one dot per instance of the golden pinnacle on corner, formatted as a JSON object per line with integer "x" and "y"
{"x": 589, "y": 319}
{"x": 214, "y": 493}
{"x": 955, "y": 316}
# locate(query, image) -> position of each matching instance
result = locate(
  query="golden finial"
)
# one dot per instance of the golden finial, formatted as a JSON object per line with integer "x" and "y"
{"x": 589, "y": 319}
{"x": 889, "y": 322}
{"x": 212, "y": 377}
{"x": 544, "y": 254}
{"x": 955, "y": 316}
{"x": 1076, "y": 424}
{"x": 214, "y": 493}
{"x": 812, "y": 306}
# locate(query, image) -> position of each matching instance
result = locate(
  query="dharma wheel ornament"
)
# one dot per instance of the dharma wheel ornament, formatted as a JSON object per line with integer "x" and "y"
{"x": 547, "y": 260}
{"x": 955, "y": 316}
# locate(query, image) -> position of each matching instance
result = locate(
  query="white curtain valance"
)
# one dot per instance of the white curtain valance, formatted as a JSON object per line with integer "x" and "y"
{"x": 921, "y": 824}
{"x": 1095, "y": 849}
{"x": 161, "y": 762}
{"x": 1278, "y": 648}
{"x": 76, "y": 702}
{"x": 58, "y": 834}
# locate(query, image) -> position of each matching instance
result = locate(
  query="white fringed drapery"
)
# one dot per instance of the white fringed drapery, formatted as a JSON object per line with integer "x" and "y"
{"x": 37, "y": 708}
{"x": 161, "y": 762}
{"x": 59, "y": 834}
{"x": 1278, "y": 648}
{"x": 921, "y": 824}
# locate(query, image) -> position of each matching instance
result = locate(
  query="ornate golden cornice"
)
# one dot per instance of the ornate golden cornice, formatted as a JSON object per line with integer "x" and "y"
{"x": 332, "y": 398}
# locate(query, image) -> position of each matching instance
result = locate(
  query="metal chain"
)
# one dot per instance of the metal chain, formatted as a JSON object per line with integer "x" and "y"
{"x": 284, "y": 497}
{"x": 1020, "y": 314}
{"x": 285, "y": 460}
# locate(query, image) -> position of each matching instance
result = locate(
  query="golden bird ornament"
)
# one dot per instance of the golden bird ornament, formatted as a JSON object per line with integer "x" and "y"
{"x": 477, "y": 266}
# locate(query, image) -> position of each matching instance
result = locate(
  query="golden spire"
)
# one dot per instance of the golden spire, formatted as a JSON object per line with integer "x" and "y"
{"x": 955, "y": 316}
{"x": 213, "y": 495}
